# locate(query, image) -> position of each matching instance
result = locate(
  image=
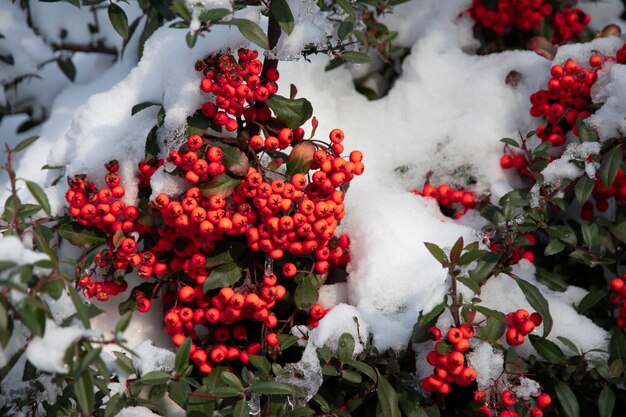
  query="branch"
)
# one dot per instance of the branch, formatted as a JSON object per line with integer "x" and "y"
{"x": 97, "y": 48}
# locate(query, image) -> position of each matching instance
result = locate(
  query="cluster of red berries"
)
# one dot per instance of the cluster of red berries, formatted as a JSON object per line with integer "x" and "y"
{"x": 601, "y": 195}
{"x": 568, "y": 23}
{"x": 520, "y": 252}
{"x": 566, "y": 99}
{"x": 199, "y": 161}
{"x": 618, "y": 295}
{"x": 523, "y": 15}
{"x": 517, "y": 161}
{"x": 528, "y": 15}
{"x": 237, "y": 88}
{"x": 507, "y": 398}
{"x": 520, "y": 324}
{"x": 450, "y": 365}
{"x": 454, "y": 201}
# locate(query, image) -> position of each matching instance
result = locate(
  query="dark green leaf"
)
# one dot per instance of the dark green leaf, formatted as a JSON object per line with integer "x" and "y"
{"x": 81, "y": 309}
{"x": 191, "y": 38}
{"x": 271, "y": 387}
{"x": 181, "y": 9}
{"x": 583, "y": 189}
{"x": 33, "y": 316}
{"x": 82, "y": 236}
{"x": 590, "y": 300}
{"x": 570, "y": 345}
{"x": 222, "y": 185}
{"x": 261, "y": 363}
{"x": 617, "y": 345}
{"x": 225, "y": 392}
{"x": 124, "y": 363}
{"x": 469, "y": 283}
{"x": 182, "y": 356}
{"x": 619, "y": 231}
{"x": 118, "y": 20}
{"x": 510, "y": 141}
{"x": 234, "y": 160}
{"x": 363, "y": 368}
{"x": 39, "y": 195}
{"x": 223, "y": 276}
{"x": 287, "y": 340}
{"x": 67, "y": 67}
{"x": 293, "y": 113}
{"x": 387, "y": 397}
{"x": 302, "y": 412}
{"x": 225, "y": 252}
{"x": 610, "y": 165}
{"x": 155, "y": 378}
{"x": 141, "y": 106}
{"x": 484, "y": 267}
{"x": 178, "y": 392}
{"x": 307, "y": 292}
{"x": 345, "y": 28}
{"x": 567, "y": 399}
{"x": 355, "y": 57}
{"x": 241, "y": 409}
{"x": 345, "y": 347}
{"x": 114, "y": 406}
{"x": 351, "y": 376}
{"x": 492, "y": 331}
{"x": 420, "y": 329}
{"x": 282, "y": 13}
{"x": 25, "y": 143}
{"x": 547, "y": 349}
{"x": 606, "y": 402}
{"x": 300, "y": 159}
{"x": 471, "y": 256}
{"x": 232, "y": 380}
{"x": 538, "y": 302}
{"x": 555, "y": 246}
{"x": 347, "y": 7}
{"x": 213, "y": 14}
{"x": 250, "y": 31}
{"x": 585, "y": 132}
{"x": 437, "y": 253}
{"x": 123, "y": 322}
{"x": 83, "y": 390}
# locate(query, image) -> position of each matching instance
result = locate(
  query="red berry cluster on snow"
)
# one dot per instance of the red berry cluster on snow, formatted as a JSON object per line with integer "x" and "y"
{"x": 618, "y": 295}
{"x": 566, "y": 99}
{"x": 501, "y": 402}
{"x": 274, "y": 227}
{"x": 449, "y": 360}
{"x": 236, "y": 87}
{"x": 528, "y": 15}
{"x": 455, "y": 201}
{"x": 521, "y": 323}
{"x": 601, "y": 195}
{"x": 520, "y": 252}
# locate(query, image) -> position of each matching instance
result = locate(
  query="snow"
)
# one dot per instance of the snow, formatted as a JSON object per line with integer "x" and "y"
{"x": 136, "y": 412}
{"x": 487, "y": 361}
{"x": 47, "y": 353}
{"x": 152, "y": 358}
{"x": 564, "y": 166}
{"x": 13, "y": 250}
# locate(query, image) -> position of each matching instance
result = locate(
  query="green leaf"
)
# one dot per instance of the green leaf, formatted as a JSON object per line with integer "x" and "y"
{"x": 241, "y": 409}
{"x": 300, "y": 159}
{"x": 124, "y": 363}
{"x": 272, "y": 387}
{"x": 178, "y": 392}
{"x": 583, "y": 189}
{"x": 492, "y": 331}
{"x": 619, "y": 231}
{"x": 118, "y": 20}
{"x": 387, "y": 397}
{"x": 33, "y": 316}
{"x": 363, "y": 368}
{"x": 590, "y": 300}
{"x": 302, "y": 412}
{"x": 610, "y": 165}
{"x": 213, "y": 14}
{"x": 83, "y": 390}
{"x": 67, "y": 67}
{"x": 191, "y": 38}
{"x": 199, "y": 405}
{"x": 181, "y": 9}
{"x": 232, "y": 380}
{"x": 81, "y": 309}
{"x": 114, "y": 406}
{"x": 123, "y": 322}
{"x": 141, "y": 106}
{"x": 617, "y": 345}
{"x": 437, "y": 253}
{"x": 39, "y": 195}
{"x": 469, "y": 283}
{"x": 250, "y": 31}
{"x": 222, "y": 185}
{"x": 471, "y": 256}
{"x": 345, "y": 28}
{"x": 567, "y": 399}
{"x": 455, "y": 252}
{"x": 585, "y": 132}
{"x": 538, "y": 302}
{"x": 82, "y": 236}
{"x": 75, "y": 3}
{"x": 287, "y": 340}
{"x": 225, "y": 252}
{"x": 420, "y": 329}
{"x": 355, "y": 57}
{"x": 555, "y": 246}
{"x": 307, "y": 292}
{"x": 155, "y": 378}
{"x": 182, "y": 356}
{"x": 235, "y": 160}
{"x": 347, "y": 7}
{"x": 223, "y": 276}
{"x": 606, "y": 402}
{"x": 351, "y": 376}
{"x": 225, "y": 392}
{"x": 25, "y": 143}
{"x": 547, "y": 349}
{"x": 570, "y": 345}
{"x": 510, "y": 141}
{"x": 484, "y": 267}
{"x": 282, "y": 13}
{"x": 293, "y": 113}
{"x": 345, "y": 347}
{"x": 261, "y": 363}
